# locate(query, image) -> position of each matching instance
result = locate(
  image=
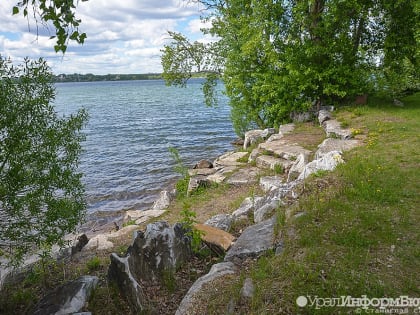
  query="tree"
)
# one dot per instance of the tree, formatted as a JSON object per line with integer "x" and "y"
{"x": 41, "y": 195}
{"x": 61, "y": 14}
{"x": 281, "y": 57}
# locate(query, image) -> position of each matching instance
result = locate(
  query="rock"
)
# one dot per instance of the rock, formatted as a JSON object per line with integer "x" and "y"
{"x": 275, "y": 137}
{"x": 220, "y": 221}
{"x": 268, "y": 183}
{"x": 197, "y": 182}
{"x": 215, "y": 237}
{"x": 284, "y": 149}
{"x": 164, "y": 200}
{"x": 253, "y": 242}
{"x": 282, "y": 191}
{"x": 244, "y": 176}
{"x": 262, "y": 213}
{"x": 297, "y": 167}
{"x": 98, "y": 242}
{"x": 119, "y": 273}
{"x": 203, "y": 164}
{"x": 333, "y": 129}
{"x": 327, "y": 163}
{"x": 247, "y": 206}
{"x": 161, "y": 247}
{"x": 82, "y": 240}
{"x": 301, "y": 117}
{"x": 149, "y": 214}
{"x": 271, "y": 162}
{"x": 285, "y": 129}
{"x": 221, "y": 174}
{"x": 398, "y": 103}
{"x": 69, "y": 298}
{"x": 202, "y": 171}
{"x": 268, "y": 132}
{"x": 238, "y": 142}
{"x": 217, "y": 271}
{"x": 323, "y": 115}
{"x": 247, "y": 290}
{"x": 126, "y": 230}
{"x": 230, "y": 159}
{"x": 253, "y": 155}
{"x": 331, "y": 144}
{"x": 253, "y": 137}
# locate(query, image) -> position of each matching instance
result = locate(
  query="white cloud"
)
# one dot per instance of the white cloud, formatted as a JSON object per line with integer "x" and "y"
{"x": 124, "y": 36}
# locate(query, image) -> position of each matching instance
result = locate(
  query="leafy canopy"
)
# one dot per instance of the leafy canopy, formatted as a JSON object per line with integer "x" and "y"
{"x": 41, "y": 194}
{"x": 280, "y": 57}
{"x": 59, "y": 15}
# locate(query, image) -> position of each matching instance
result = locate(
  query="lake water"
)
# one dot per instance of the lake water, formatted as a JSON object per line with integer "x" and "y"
{"x": 126, "y": 162}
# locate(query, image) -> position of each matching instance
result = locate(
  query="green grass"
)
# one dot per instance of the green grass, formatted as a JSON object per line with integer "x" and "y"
{"x": 359, "y": 234}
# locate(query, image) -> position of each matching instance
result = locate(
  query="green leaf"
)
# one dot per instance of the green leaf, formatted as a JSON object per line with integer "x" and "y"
{"x": 15, "y": 10}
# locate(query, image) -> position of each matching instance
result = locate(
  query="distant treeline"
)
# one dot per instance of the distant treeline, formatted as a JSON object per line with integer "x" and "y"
{"x": 76, "y": 77}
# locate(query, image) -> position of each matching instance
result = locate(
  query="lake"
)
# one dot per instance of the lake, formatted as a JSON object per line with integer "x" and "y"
{"x": 132, "y": 124}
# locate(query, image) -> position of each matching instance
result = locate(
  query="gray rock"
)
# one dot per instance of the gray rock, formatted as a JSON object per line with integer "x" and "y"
{"x": 230, "y": 159}
{"x": 67, "y": 299}
{"x": 323, "y": 115}
{"x": 261, "y": 213}
{"x": 285, "y": 129}
{"x": 253, "y": 137}
{"x": 253, "y": 155}
{"x": 398, "y": 103}
{"x": 268, "y": 183}
{"x": 271, "y": 162}
{"x": 220, "y": 221}
{"x": 253, "y": 242}
{"x": 301, "y": 117}
{"x": 333, "y": 129}
{"x": 217, "y": 271}
{"x": 284, "y": 149}
{"x": 197, "y": 182}
{"x": 247, "y": 206}
{"x": 120, "y": 274}
{"x": 297, "y": 167}
{"x": 268, "y": 132}
{"x": 164, "y": 200}
{"x": 202, "y": 171}
{"x": 327, "y": 163}
{"x": 162, "y": 247}
{"x": 283, "y": 190}
{"x": 331, "y": 144}
{"x": 244, "y": 176}
{"x": 247, "y": 290}
{"x": 221, "y": 174}
{"x": 203, "y": 164}
{"x": 275, "y": 137}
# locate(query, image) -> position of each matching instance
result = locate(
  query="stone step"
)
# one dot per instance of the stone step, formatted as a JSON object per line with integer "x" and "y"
{"x": 284, "y": 149}
{"x": 271, "y": 162}
{"x": 230, "y": 159}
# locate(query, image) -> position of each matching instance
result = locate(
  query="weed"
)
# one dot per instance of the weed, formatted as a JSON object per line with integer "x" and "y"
{"x": 278, "y": 169}
{"x": 94, "y": 264}
{"x": 129, "y": 222}
{"x": 188, "y": 219}
{"x": 243, "y": 159}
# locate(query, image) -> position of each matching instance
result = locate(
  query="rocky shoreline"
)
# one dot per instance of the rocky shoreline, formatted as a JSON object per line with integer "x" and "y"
{"x": 162, "y": 247}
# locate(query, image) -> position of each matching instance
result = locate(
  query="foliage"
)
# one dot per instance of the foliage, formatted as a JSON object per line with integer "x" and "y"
{"x": 182, "y": 184}
{"x": 41, "y": 194}
{"x": 188, "y": 220}
{"x": 61, "y": 14}
{"x": 279, "y": 57}
{"x": 94, "y": 263}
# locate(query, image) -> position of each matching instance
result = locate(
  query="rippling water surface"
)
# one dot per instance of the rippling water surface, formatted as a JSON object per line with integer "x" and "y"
{"x": 132, "y": 124}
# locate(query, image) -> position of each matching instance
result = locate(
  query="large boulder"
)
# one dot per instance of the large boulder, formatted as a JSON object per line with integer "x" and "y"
{"x": 247, "y": 207}
{"x": 244, "y": 176}
{"x": 159, "y": 249}
{"x": 284, "y": 149}
{"x": 332, "y": 144}
{"x": 164, "y": 200}
{"x": 272, "y": 162}
{"x": 286, "y": 128}
{"x": 297, "y": 167}
{"x": 67, "y": 299}
{"x": 230, "y": 159}
{"x": 333, "y": 129}
{"x": 218, "y": 240}
{"x": 327, "y": 163}
{"x": 253, "y": 242}
{"x": 323, "y": 115}
{"x": 203, "y": 164}
{"x": 221, "y": 221}
{"x": 189, "y": 303}
{"x": 254, "y": 136}
{"x": 265, "y": 211}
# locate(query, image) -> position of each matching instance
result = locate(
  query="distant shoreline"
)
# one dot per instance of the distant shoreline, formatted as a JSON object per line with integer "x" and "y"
{"x": 77, "y": 77}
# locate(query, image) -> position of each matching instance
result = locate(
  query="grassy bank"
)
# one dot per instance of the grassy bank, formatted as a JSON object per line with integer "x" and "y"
{"x": 359, "y": 233}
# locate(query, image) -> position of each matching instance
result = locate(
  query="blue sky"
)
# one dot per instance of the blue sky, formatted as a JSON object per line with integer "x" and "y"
{"x": 124, "y": 36}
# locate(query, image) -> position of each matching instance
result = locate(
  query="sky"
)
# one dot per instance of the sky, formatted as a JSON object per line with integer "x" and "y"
{"x": 124, "y": 36}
